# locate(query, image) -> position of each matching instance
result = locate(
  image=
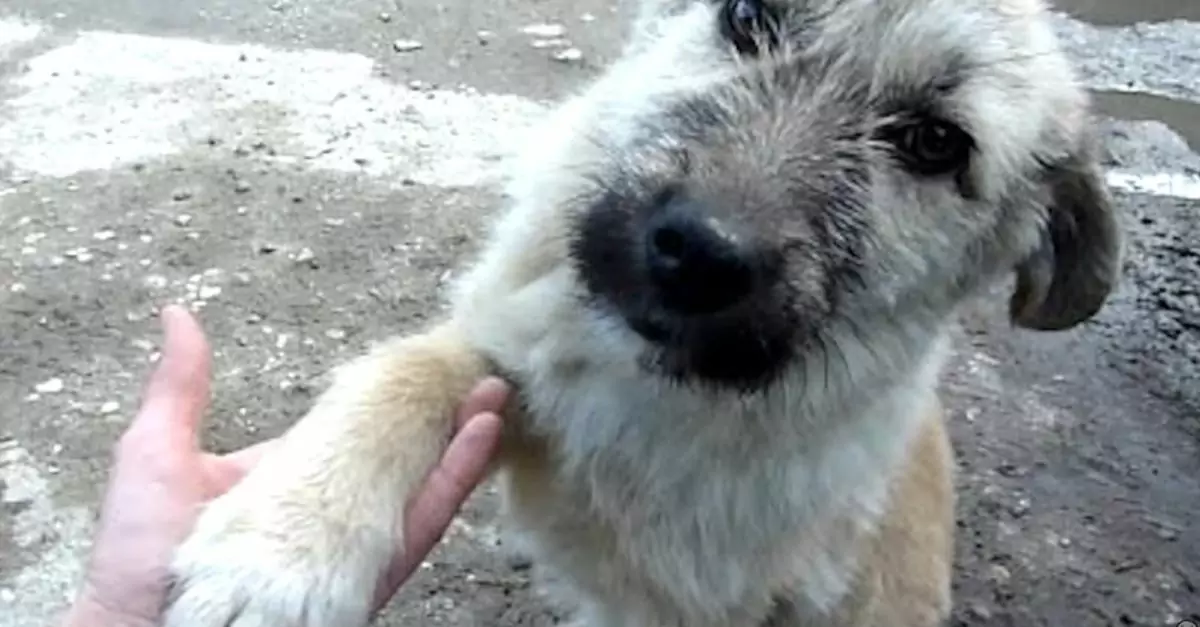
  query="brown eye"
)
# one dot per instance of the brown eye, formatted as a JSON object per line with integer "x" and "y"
{"x": 933, "y": 147}
{"x": 745, "y": 23}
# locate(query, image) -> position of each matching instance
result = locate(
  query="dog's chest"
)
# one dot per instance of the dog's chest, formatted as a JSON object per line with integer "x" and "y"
{"x": 636, "y": 489}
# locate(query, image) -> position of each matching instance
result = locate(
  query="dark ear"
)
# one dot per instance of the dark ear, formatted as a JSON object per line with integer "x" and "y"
{"x": 1069, "y": 276}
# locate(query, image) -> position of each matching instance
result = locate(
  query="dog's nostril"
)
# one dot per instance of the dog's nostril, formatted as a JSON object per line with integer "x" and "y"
{"x": 669, "y": 244}
{"x": 695, "y": 268}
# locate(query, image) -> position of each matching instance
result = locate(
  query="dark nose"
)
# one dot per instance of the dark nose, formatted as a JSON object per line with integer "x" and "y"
{"x": 696, "y": 266}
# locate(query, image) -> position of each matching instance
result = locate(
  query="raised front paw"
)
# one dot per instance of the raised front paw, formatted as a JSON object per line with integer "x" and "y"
{"x": 259, "y": 566}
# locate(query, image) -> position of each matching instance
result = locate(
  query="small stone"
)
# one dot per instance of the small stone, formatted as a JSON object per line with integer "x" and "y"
{"x": 407, "y": 45}
{"x": 50, "y": 386}
{"x": 550, "y": 43}
{"x": 208, "y": 292}
{"x": 7, "y": 595}
{"x": 181, "y": 195}
{"x": 587, "y": 17}
{"x": 16, "y": 288}
{"x": 385, "y": 17}
{"x": 183, "y": 219}
{"x": 241, "y": 187}
{"x": 111, "y": 407}
{"x": 305, "y": 255}
{"x": 104, "y": 235}
{"x": 570, "y": 55}
{"x": 484, "y": 37}
{"x": 545, "y": 31}
{"x": 335, "y": 334}
{"x": 979, "y": 611}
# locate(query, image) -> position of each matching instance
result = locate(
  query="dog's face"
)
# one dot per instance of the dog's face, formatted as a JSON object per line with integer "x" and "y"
{"x": 763, "y": 177}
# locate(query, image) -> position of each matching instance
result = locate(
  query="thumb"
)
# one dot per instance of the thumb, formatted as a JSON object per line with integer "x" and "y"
{"x": 177, "y": 392}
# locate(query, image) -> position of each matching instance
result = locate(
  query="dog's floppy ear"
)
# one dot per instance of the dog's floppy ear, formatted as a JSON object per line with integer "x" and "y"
{"x": 1069, "y": 276}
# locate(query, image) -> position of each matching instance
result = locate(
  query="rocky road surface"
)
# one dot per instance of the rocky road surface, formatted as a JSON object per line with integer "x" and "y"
{"x": 306, "y": 174}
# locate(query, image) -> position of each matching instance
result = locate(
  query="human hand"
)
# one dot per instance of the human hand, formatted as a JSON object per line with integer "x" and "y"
{"x": 161, "y": 479}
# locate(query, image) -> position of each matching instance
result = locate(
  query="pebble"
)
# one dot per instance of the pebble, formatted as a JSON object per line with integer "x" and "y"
{"x": 385, "y": 17}
{"x": 241, "y": 187}
{"x": 50, "y": 386}
{"x": 104, "y": 235}
{"x": 407, "y": 45}
{"x": 181, "y": 195}
{"x": 335, "y": 334}
{"x": 208, "y": 292}
{"x": 998, "y": 574}
{"x": 545, "y": 30}
{"x": 979, "y": 611}
{"x": 183, "y": 219}
{"x": 305, "y": 255}
{"x": 111, "y": 407}
{"x": 570, "y": 55}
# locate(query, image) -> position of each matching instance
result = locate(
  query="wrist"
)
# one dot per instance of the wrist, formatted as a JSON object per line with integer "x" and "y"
{"x": 91, "y": 609}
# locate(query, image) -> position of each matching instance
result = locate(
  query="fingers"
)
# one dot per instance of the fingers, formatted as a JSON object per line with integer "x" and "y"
{"x": 244, "y": 460}
{"x": 450, "y": 483}
{"x": 461, "y": 469}
{"x": 226, "y": 471}
{"x": 177, "y": 393}
{"x": 489, "y": 395}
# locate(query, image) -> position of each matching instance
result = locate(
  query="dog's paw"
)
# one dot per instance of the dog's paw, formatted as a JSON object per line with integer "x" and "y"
{"x": 243, "y": 568}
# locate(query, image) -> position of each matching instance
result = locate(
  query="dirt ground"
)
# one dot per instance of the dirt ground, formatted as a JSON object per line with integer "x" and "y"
{"x": 1077, "y": 452}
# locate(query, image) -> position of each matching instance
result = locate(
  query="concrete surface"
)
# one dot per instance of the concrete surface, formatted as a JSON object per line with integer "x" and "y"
{"x": 307, "y": 187}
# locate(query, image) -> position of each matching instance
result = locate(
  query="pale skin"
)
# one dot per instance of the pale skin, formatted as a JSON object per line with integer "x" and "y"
{"x": 161, "y": 479}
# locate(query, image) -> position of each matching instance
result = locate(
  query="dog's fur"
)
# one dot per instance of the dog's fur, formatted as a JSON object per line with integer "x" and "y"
{"x": 780, "y": 462}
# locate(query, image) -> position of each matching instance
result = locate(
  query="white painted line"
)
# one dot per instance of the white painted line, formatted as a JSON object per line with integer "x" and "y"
{"x": 56, "y": 538}
{"x": 111, "y": 99}
{"x": 1156, "y": 58}
{"x": 1174, "y": 185}
{"x": 14, "y": 33}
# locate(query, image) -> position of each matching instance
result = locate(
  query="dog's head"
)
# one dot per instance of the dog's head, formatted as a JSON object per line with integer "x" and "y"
{"x": 755, "y": 174}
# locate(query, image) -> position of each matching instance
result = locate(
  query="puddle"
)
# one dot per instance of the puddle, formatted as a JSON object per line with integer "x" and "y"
{"x": 1123, "y": 12}
{"x": 1182, "y": 116}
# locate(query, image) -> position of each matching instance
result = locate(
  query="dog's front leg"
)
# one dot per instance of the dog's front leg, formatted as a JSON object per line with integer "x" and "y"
{"x": 304, "y": 539}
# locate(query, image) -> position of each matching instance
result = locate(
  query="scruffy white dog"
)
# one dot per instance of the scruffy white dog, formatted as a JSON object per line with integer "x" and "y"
{"x": 724, "y": 290}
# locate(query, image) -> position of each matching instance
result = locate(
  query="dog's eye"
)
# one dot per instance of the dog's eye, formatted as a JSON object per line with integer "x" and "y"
{"x": 746, "y": 24}
{"x": 932, "y": 147}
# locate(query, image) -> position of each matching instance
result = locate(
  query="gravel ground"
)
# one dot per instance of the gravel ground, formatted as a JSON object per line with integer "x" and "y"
{"x": 306, "y": 177}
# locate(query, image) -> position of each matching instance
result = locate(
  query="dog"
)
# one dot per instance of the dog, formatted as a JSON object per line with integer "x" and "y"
{"x": 724, "y": 290}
